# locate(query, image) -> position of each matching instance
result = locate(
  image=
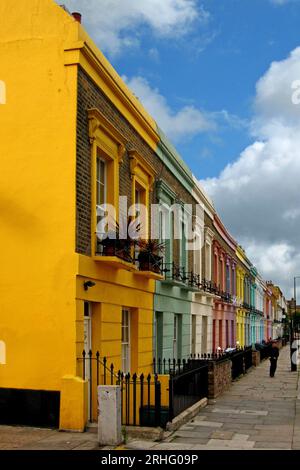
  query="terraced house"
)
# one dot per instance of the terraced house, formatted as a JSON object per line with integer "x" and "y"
{"x": 242, "y": 313}
{"x": 80, "y": 156}
{"x": 224, "y": 275}
{"x": 173, "y": 295}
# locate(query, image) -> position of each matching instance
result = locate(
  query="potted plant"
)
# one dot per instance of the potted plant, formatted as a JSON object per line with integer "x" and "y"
{"x": 150, "y": 255}
{"x": 110, "y": 241}
{"x": 113, "y": 245}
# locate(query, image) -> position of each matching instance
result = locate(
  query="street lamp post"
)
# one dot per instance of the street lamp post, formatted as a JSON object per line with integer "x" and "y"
{"x": 292, "y": 326}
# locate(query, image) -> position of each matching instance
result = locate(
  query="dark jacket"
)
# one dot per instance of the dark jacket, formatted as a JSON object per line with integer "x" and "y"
{"x": 274, "y": 353}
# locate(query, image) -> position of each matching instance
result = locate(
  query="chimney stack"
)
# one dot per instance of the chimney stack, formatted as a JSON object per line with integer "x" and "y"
{"x": 77, "y": 16}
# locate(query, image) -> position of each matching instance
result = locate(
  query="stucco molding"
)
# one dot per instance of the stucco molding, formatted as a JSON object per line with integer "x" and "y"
{"x": 85, "y": 54}
{"x": 97, "y": 122}
{"x": 137, "y": 162}
{"x": 162, "y": 188}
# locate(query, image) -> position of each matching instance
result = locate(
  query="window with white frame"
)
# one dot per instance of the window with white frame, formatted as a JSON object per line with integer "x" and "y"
{"x": 198, "y": 255}
{"x": 166, "y": 231}
{"x": 125, "y": 340}
{"x": 207, "y": 261}
{"x": 101, "y": 193}
{"x": 101, "y": 182}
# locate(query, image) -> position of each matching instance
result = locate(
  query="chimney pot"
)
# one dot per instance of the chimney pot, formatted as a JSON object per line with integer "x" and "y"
{"x": 77, "y": 16}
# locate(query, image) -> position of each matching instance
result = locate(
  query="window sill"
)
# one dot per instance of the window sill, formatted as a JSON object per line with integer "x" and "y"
{"x": 150, "y": 275}
{"x": 115, "y": 262}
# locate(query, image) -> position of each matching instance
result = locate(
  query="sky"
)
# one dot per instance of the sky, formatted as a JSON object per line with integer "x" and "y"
{"x": 217, "y": 76}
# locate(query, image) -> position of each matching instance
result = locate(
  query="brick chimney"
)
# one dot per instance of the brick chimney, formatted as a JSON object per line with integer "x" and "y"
{"x": 77, "y": 16}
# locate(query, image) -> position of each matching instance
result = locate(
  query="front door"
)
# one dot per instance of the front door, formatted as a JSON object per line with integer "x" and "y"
{"x": 194, "y": 330}
{"x": 88, "y": 348}
{"x": 176, "y": 338}
{"x": 204, "y": 335}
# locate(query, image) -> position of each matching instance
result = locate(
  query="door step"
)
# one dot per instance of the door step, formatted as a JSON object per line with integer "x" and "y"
{"x": 92, "y": 427}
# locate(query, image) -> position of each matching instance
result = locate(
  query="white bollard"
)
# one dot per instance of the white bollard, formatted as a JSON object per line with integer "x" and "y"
{"x": 109, "y": 415}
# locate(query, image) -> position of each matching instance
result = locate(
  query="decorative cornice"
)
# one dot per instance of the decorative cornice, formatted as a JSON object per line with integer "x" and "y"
{"x": 208, "y": 233}
{"x": 136, "y": 161}
{"x": 220, "y": 228}
{"x": 85, "y": 48}
{"x": 175, "y": 164}
{"x": 163, "y": 188}
{"x": 98, "y": 122}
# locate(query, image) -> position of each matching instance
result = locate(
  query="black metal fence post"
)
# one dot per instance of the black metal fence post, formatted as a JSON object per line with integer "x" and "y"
{"x": 91, "y": 386}
{"x": 157, "y": 386}
{"x": 134, "y": 379}
{"x": 171, "y": 393}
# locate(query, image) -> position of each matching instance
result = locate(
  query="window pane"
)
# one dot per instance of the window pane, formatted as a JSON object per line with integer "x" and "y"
{"x": 125, "y": 336}
{"x": 102, "y": 194}
{"x": 98, "y": 169}
{"x": 102, "y": 171}
{"x": 98, "y": 198}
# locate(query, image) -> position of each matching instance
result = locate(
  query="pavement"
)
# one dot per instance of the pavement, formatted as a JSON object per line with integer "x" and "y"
{"x": 25, "y": 438}
{"x": 258, "y": 412}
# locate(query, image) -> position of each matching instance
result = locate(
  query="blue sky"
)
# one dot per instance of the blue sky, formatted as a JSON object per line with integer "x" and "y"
{"x": 218, "y": 76}
{"x": 215, "y": 67}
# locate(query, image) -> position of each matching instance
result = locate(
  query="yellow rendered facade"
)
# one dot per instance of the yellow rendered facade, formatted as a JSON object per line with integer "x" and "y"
{"x": 41, "y": 278}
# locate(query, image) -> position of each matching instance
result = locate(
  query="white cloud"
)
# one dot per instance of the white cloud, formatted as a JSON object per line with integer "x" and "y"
{"x": 258, "y": 196}
{"x": 153, "y": 54}
{"x": 116, "y": 24}
{"x": 187, "y": 122}
{"x": 281, "y": 2}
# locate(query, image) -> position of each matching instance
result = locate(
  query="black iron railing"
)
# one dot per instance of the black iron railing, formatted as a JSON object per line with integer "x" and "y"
{"x": 150, "y": 262}
{"x": 241, "y": 360}
{"x": 140, "y": 395}
{"x": 179, "y": 275}
{"x": 172, "y": 366}
{"x": 120, "y": 248}
{"x": 141, "y": 400}
{"x": 186, "y": 388}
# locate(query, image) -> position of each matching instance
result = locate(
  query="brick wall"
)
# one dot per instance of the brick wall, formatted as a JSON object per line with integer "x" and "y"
{"x": 219, "y": 377}
{"x": 255, "y": 358}
{"x": 208, "y": 222}
{"x": 90, "y": 96}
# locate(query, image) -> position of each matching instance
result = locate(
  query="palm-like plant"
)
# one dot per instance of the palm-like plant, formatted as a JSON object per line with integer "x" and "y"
{"x": 150, "y": 255}
{"x": 113, "y": 245}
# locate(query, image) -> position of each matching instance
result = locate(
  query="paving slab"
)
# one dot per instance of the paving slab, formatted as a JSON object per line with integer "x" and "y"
{"x": 27, "y": 438}
{"x": 257, "y": 412}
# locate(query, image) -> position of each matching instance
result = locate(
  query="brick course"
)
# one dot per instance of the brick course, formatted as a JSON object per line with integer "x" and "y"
{"x": 219, "y": 377}
{"x": 90, "y": 96}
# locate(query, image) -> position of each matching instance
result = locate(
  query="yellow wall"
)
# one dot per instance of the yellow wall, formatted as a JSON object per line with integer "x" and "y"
{"x": 41, "y": 277}
{"x": 37, "y": 208}
{"x": 117, "y": 288}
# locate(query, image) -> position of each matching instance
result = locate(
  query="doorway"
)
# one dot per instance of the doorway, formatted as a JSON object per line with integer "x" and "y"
{"x": 204, "y": 335}
{"x": 194, "y": 334}
{"x": 87, "y": 348}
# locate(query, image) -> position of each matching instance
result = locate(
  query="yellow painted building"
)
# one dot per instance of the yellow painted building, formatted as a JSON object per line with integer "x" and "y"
{"x": 48, "y": 312}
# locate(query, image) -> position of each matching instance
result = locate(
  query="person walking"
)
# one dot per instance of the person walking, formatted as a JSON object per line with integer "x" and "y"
{"x": 274, "y": 354}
